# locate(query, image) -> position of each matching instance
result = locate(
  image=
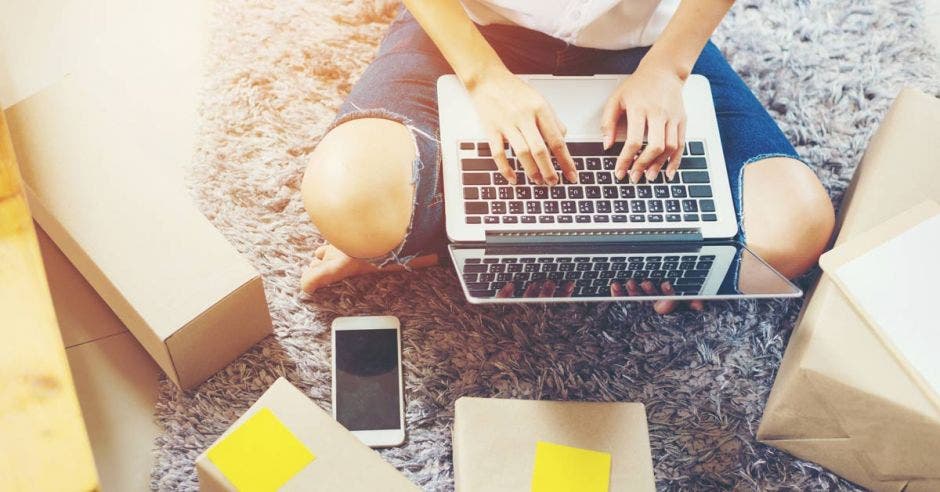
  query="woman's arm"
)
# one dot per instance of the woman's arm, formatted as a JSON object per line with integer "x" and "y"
{"x": 510, "y": 110}
{"x": 651, "y": 98}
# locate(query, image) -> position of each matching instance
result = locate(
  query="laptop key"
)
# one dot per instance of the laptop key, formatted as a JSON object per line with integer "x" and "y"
{"x": 689, "y": 206}
{"x": 505, "y": 193}
{"x": 474, "y": 268}
{"x": 515, "y": 207}
{"x": 690, "y": 217}
{"x": 498, "y": 208}
{"x": 568, "y": 207}
{"x": 621, "y": 206}
{"x": 528, "y": 219}
{"x": 638, "y": 206}
{"x": 610, "y": 163}
{"x": 581, "y": 219}
{"x": 474, "y": 219}
{"x": 483, "y": 149}
{"x": 499, "y": 179}
{"x": 488, "y": 193}
{"x": 585, "y": 148}
{"x": 533, "y": 208}
{"x": 706, "y": 205}
{"x": 693, "y": 163}
{"x": 593, "y": 163}
{"x": 470, "y": 193}
{"x": 510, "y": 219}
{"x": 603, "y": 207}
{"x": 586, "y": 177}
{"x": 558, "y": 193}
{"x": 523, "y": 192}
{"x": 476, "y": 208}
{"x": 661, "y": 191}
{"x": 601, "y": 218}
{"x": 491, "y": 219}
{"x": 709, "y": 217}
{"x": 546, "y": 219}
{"x": 637, "y": 218}
{"x": 550, "y": 207}
{"x": 604, "y": 178}
{"x": 655, "y": 205}
{"x": 696, "y": 148}
{"x": 611, "y": 192}
{"x": 656, "y": 218}
{"x": 673, "y": 218}
{"x": 627, "y": 192}
{"x": 586, "y": 207}
{"x": 644, "y": 191}
{"x": 592, "y": 191}
{"x": 619, "y": 218}
{"x": 476, "y": 179}
{"x": 695, "y": 177}
{"x": 576, "y": 192}
{"x": 700, "y": 191}
{"x": 678, "y": 191}
{"x": 466, "y": 146}
{"x": 478, "y": 164}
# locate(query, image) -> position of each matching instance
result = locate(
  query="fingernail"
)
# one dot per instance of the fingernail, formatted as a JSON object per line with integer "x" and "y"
{"x": 607, "y": 142}
{"x": 620, "y": 173}
{"x": 671, "y": 173}
{"x": 634, "y": 177}
{"x": 650, "y": 174}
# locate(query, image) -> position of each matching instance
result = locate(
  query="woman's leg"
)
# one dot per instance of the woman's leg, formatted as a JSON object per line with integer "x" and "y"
{"x": 360, "y": 204}
{"x": 788, "y": 216}
{"x": 372, "y": 185}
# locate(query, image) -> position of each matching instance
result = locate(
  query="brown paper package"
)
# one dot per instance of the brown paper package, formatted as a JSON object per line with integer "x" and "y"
{"x": 494, "y": 441}
{"x": 342, "y": 462}
{"x": 119, "y": 211}
{"x": 841, "y": 398}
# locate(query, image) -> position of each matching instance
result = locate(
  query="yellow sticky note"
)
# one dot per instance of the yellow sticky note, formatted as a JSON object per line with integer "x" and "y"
{"x": 260, "y": 455}
{"x": 561, "y": 468}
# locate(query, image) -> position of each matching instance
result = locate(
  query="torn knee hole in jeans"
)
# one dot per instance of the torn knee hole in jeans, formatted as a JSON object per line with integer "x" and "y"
{"x": 395, "y": 256}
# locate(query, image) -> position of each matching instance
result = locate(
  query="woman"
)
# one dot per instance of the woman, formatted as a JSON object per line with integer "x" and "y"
{"x": 373, "y": 183}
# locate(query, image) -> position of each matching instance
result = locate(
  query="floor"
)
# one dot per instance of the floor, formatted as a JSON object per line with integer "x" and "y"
{"x": 117, "y": 381}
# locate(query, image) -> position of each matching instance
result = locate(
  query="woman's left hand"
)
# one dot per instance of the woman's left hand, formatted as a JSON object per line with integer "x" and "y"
{"x": 651, "y": 100}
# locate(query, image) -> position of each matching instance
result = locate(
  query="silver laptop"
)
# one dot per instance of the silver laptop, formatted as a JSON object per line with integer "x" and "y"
{"x": 600, "y": 239}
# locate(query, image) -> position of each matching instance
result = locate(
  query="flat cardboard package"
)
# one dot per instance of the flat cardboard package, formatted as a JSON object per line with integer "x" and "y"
{"x": 341, "y": 461}
{"x": 841, "y": 398}
{"x": 122, "y": 217}
{"x": 494, "y": 440}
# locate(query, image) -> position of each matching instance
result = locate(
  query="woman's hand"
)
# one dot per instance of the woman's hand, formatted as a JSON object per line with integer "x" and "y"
{"x": 651, "y": 100}
{"x": 512, "y": 111}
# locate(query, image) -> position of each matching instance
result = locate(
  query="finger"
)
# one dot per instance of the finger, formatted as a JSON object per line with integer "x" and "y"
{"x": 609, "y": 118}
{"x": 648, "y": 288}
{"x": 555, "y": 138}
{"x": 499, "y": 155}
{"x": 524, "y": 156}
{"x": 531, "y": 290}
{"x": 636, "y": 125}
{"x": 543, "y": 158}
{"x": 655, "y": 143}
{"x": 567, "y": 289}
{"x": 548, "y": 289}
{"x": 676, "y": 156}
{"x": 696, "y": 305}
{"x": 616, "y": 289}
{"x": 506, "y": 291}
{"x": 668, "y": 150}
{"x": 633, "y": 290}
{"x": 664, "y": 307}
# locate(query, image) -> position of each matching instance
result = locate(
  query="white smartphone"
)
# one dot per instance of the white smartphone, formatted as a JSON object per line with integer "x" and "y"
{"x": 367, "y": 381}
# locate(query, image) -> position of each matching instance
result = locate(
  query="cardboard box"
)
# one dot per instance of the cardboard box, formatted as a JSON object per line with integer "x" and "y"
{"x": 494, "y": 440}
{"x": 841, "y": 398}
{"x": 341, "y": 461}
{"x": 122, "y": 216}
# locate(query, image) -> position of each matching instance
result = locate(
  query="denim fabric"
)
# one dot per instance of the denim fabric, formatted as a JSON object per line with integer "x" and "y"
{"x": 400, "y": 85}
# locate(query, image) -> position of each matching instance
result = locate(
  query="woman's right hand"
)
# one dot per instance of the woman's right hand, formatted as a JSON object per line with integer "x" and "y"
{"x": 512, "y": 111}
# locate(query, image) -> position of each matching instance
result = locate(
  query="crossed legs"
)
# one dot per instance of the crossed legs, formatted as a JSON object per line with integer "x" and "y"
{"x": 362, "y": 204}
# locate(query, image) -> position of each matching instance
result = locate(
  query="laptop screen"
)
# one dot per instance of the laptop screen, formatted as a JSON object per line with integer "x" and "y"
{"x": 615, "y": 272}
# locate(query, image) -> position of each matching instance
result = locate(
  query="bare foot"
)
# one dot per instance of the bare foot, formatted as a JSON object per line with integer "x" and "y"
{"x": 331, "y": 265}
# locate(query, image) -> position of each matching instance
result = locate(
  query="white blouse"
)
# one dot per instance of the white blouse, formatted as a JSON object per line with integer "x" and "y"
{"x": 604, "y": 24}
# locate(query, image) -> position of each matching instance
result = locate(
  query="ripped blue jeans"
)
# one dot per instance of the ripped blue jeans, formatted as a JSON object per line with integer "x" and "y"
{"x": 401, "y": 85}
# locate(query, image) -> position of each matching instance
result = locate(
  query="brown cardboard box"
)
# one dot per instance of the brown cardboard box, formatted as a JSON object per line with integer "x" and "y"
{"x": 494, "y": 440}
{"x": 341, "y": 461}
{"x": 841, "y": 398}
{"x": 121, "y": 215}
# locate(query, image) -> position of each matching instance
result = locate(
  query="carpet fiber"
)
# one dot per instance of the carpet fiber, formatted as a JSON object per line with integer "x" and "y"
{"x": 278, "y": 69}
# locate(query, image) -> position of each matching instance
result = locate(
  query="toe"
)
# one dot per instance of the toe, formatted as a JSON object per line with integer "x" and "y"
{"x": 664, "y": 307}
{"x": 321, "y": 251}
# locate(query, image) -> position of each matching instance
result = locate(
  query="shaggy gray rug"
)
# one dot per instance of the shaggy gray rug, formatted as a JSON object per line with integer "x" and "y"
{"x": 278, "y": 69}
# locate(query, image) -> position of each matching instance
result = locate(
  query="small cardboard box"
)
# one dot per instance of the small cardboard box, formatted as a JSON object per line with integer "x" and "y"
{"x": 495, "y": 441}
{"x": 841, "y": 398}
{"x": 341, "y": 461}
{"x": 120, "y": 213}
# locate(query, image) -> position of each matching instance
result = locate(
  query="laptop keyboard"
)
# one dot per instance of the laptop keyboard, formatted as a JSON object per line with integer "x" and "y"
{"x": 592, "y": 275}
{"x": 598, "y": 197}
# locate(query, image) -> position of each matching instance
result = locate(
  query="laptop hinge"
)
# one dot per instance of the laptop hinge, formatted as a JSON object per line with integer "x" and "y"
{"x": 593, "y": 236}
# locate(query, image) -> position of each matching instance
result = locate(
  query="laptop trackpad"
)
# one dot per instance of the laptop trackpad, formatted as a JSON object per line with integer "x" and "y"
{"x": 578, "y": 102}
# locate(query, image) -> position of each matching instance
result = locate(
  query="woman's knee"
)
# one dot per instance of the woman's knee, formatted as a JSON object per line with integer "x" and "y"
{"x": 788, "y": 216}
{"x": 358, "y": 186}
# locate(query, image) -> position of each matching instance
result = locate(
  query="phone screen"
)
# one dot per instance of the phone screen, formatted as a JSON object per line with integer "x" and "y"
{"x": 367, "y": 379}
